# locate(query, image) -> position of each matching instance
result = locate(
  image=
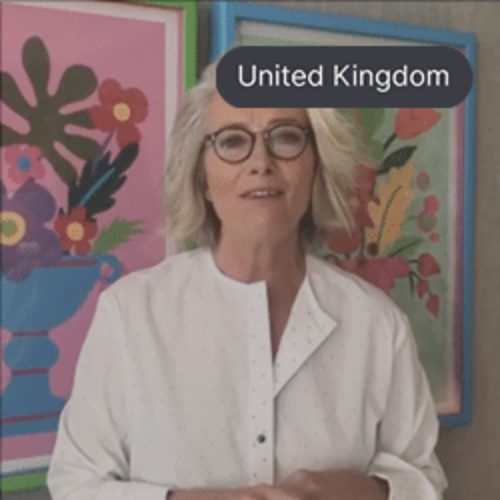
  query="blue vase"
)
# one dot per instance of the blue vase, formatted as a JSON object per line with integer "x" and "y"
{"x": 30, "y": 309}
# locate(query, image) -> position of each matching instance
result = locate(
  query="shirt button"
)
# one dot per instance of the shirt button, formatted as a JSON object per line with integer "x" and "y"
{"x": 261, "y": 438}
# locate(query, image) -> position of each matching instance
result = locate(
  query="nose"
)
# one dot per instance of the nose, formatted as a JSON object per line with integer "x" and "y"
{"x": 261, "y": 161}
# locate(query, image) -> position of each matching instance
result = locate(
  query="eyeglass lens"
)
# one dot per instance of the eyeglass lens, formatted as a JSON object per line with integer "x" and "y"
{"x": 286, "y": 142}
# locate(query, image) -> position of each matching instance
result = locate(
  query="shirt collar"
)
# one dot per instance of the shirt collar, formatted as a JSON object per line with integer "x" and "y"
{"x": 308, "y": 327}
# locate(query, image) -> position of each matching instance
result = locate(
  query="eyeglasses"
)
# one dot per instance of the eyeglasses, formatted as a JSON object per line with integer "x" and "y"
{"x": 235, "y": 144}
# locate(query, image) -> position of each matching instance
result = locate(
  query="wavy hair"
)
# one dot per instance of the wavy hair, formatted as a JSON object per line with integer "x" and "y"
{"x": 191, "y": 219}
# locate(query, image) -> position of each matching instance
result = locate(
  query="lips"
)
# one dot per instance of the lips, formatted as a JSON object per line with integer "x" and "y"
{"x": 260, "y": 193}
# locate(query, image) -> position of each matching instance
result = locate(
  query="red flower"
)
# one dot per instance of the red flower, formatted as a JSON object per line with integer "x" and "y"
{"x": 432, "y": 305}
{"x": 381, "y": 272}
{"x": 411, "y": 122}
{"x": 426, "y": 221}
{"x": 75, "y": 230}
{"x": 434, "y": 237}
{"x": 120, "y": 110}
{"x": 422, "y": 287}
{"x": 431, "y": 204}
{"x": 428, "y": 265}
{"x": 343, "y": 241}
{"x": 423, "y": 181}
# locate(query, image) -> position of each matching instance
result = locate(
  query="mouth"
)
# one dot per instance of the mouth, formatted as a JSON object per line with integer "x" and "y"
{"x": 261, "y": 193}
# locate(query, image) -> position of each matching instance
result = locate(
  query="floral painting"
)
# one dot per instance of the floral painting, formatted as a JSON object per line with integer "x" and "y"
{"x": 400, "y": 235}
{"x": 83, "y": 147}
{"x": 413, "y": 191}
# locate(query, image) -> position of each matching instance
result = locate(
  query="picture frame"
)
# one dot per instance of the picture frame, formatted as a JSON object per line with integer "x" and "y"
{"x": 81, "y": 188}
{"x": 426, "y": 265}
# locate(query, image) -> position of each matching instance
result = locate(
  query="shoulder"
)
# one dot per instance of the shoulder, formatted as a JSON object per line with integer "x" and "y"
{"x": 169, "y": 276}
{"x": 346, "y": 296}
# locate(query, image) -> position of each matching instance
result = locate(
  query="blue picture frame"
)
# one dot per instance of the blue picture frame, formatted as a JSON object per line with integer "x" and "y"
{"x": 226, "y": 17}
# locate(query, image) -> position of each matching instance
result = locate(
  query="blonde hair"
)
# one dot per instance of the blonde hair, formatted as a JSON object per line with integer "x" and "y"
{"x": 191, "y": 220}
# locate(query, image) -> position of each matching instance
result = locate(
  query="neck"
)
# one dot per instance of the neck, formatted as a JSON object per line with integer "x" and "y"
{"x": 251, "y": 261}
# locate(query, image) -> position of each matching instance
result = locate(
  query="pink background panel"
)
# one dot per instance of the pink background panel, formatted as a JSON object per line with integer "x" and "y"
{"x": 133, "y": 53}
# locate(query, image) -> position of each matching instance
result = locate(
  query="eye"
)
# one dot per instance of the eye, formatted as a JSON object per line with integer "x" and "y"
{"x": 232, "y": 140}
{"x": 288, "y": 135}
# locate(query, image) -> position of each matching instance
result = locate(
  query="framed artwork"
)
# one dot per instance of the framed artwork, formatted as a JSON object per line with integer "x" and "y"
{"x": 414, "y": 212}
{"x": 89, "y": 94}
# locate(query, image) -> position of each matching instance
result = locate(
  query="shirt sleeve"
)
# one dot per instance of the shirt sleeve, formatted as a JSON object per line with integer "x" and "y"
{"x": 409, "y": 429}
{"x": 91, "y": 456}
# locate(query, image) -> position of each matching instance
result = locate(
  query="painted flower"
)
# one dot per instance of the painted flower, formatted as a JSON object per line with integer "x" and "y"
{"x": 422, "y": 287}
{"x": 24, "y": 162}
{"x": 25, "y": 242}
{"x": 426, "y": 221}
{"x": 423, "y": 181}
{"x": 411, "y": 122}
{"x": 431, "y": 204}
{"x": 432, "y": 305}
{"x": 120, "y": 110}
{"x": 381, "y": 271}
{"x": 428, "y": 265}
{"x": 75, "y": 230}
{"x": 345, "y": 241}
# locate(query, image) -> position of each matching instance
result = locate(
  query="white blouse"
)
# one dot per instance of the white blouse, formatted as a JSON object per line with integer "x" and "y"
{"x": 176, "y": 388}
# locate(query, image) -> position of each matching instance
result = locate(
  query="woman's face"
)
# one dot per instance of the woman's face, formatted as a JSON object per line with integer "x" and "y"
{"x": 263, "y": 198}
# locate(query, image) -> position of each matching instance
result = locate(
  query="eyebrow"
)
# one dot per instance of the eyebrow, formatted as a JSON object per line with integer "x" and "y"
{"x": 275, "y": 121}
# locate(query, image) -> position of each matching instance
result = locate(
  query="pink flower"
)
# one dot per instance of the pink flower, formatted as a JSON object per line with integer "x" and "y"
{"x": 411, "y": 122}
{"x": 431, "y": 204}
{"x": 422, "y": 287}
{"x": 426, "y": 221}
{"x": 432, "y": 305}
{"x": 24, "y": 162}
{"x": 428, "y": 265}
{"x": 423, "y": 181}
{"x": 434, "y": 237}
{"x": 343, "y": 241}
{"x": 381, "y": 272}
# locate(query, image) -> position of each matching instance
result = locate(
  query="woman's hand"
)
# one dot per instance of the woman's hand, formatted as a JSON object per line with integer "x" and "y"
{"x": 332, "y": 485}
{"x": 301, "y": 485}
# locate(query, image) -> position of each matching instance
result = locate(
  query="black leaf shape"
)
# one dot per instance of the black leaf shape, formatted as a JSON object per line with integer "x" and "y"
{"x": 36, "y": 62}
{"x": 80, "y": 118}
{"x": 12, "y": 96}
{"x": 9, "y": 136}
{"x": 100, "y": 180}
{"x": 47, "y": 123}
{"x": 80, "y": 146}
{"x": 77, "y": 83}
{"x": 397, "y": 159}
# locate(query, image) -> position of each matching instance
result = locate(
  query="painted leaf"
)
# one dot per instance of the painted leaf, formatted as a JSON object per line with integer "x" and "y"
{"x": 47, "y": 123}
{"x": 398, "y": 159}
{"x": 375, "y": 150}
{"x": 12, "y": 96}
{"x": 372, "y": 119}
{"x": 404, "y": 246}
{"x": 36, "y": 62}
{"x": 395, "y": 197}
{"x": 118, "y": 232}
{"x": 100, "y": 180}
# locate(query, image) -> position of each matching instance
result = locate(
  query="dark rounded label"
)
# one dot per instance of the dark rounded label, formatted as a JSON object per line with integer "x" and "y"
{"x": 344, "y": 77}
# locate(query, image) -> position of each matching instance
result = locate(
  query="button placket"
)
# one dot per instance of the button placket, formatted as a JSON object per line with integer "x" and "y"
{"x": 261, "y": 388}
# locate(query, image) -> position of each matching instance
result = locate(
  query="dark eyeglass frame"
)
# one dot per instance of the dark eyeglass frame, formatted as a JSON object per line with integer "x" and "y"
{"x": 253, "y": 136}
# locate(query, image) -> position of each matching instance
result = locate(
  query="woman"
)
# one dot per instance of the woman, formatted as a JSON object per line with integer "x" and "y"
{"x": 248, "y": 369}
